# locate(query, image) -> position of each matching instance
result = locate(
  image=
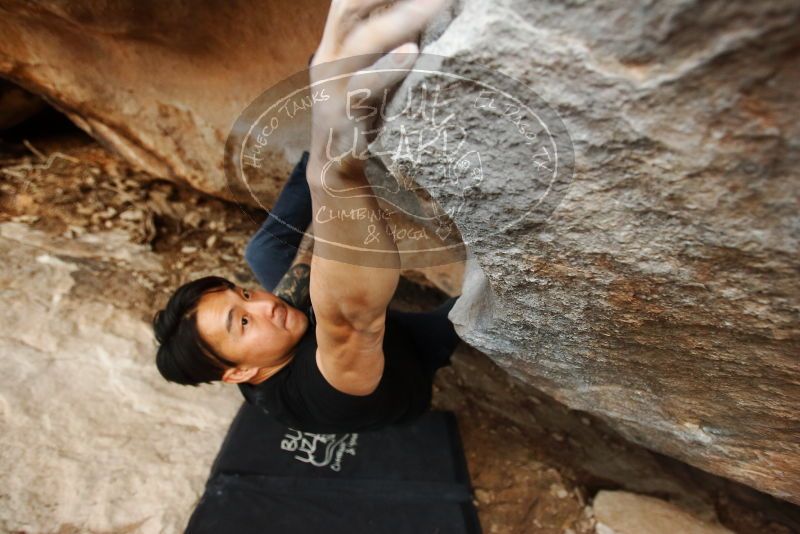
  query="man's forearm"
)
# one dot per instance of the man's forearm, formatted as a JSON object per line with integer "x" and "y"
{"x": 355, "y": 262}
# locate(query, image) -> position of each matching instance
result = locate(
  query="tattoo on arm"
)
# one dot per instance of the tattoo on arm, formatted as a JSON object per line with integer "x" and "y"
{"x": 294, "y": 286}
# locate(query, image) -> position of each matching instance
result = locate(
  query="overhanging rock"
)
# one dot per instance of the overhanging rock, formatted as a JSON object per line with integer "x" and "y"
{"x": 662, "y": 292}
{"x": 161, "y": 84}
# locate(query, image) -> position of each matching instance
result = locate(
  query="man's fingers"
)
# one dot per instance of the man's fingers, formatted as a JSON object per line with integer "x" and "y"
{"x": 399, "y": 23}
{"x": 371, "y": 82}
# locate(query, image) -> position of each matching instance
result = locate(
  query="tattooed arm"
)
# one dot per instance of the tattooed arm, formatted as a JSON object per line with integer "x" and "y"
{"x": 293, "y": 287}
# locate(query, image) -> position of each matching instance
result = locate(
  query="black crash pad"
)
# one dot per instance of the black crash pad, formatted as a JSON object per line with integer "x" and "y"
{"x": 406, "y": 479}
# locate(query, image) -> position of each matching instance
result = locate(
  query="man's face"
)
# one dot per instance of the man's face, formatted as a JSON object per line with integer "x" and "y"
{"x": 255, "y": 329}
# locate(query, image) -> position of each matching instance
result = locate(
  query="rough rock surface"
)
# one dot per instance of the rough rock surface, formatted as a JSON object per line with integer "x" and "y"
{"x": 92, "y": 437}
{"x": 662, "y": 293}
{"x": 161, "y": 84}
{"x": 620, "y": 512}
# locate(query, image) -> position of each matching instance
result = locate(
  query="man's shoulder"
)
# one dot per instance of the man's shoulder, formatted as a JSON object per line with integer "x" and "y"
{"x": 294, "y": 369}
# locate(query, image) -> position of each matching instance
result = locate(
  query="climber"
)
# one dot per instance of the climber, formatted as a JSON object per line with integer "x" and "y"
{"x": 319, "y": 349}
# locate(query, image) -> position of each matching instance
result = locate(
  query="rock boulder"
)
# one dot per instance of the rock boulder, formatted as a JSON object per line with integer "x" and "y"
{"x": 662, "y": 292}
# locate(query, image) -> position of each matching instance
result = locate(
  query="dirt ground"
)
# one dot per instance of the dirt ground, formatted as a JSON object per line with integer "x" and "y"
{"x": 534, "y": 464}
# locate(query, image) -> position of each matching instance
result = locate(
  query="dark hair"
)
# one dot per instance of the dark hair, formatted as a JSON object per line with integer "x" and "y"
{"x": 184, "y": 356}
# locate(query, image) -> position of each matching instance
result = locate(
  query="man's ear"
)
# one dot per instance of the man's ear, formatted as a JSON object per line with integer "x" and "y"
{"x": 237, "y": 375}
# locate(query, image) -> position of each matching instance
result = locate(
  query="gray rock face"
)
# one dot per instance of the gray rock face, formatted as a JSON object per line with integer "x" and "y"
{"x": 662, "y": 293}
{"x": 93, "y": 439}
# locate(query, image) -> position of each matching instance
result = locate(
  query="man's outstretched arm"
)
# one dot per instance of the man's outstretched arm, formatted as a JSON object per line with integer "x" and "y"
{"x": 355, "y": 266}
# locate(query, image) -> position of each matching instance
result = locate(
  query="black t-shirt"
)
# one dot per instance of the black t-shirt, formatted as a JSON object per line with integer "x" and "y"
{"x": 300, "y": 397}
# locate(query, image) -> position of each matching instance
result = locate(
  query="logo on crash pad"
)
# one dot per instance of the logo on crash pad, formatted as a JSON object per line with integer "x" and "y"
{"x": 320, "y": 450}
